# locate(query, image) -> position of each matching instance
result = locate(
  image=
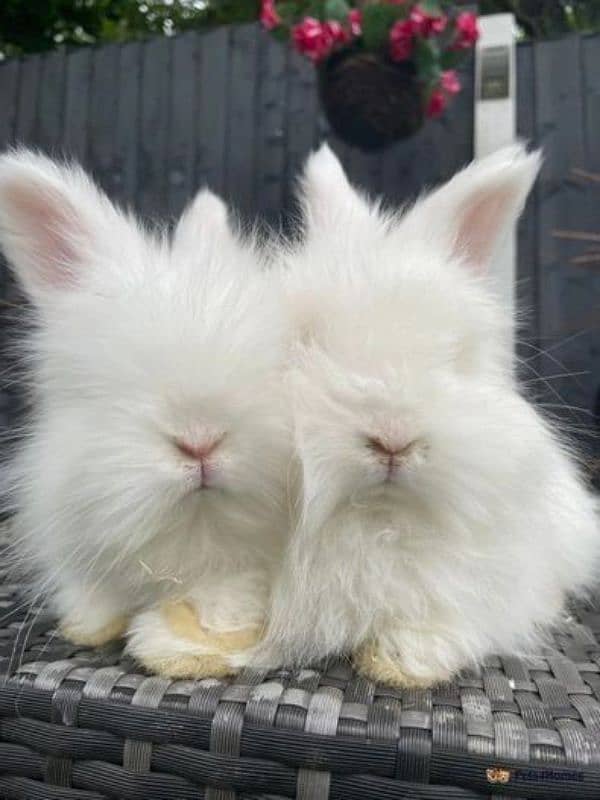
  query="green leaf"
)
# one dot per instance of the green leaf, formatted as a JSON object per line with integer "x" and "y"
{"x": 281, "y": 33}
{"x": 451, "y": 59}
{"x": 287, "y": 13}
{"x": 337, "y": 10}
{"x": 377, "y": 21}
{"x": 427, "y": 59}
{"x": 431, "y": 7}
{"x": 311, "y": 9}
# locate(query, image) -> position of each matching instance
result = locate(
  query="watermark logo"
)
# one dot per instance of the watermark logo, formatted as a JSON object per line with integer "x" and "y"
{"x": 533, "y": 775}
{"x": 498, "y": 774}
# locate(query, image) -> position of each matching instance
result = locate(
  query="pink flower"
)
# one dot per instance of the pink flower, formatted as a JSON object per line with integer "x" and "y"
{"x": 467, "y": 30}
{"x": 355, "y": 20}
{"x": 309, "y": 39}
{"x": 268, "y": 15}
{"x": 425, "y": 25}
{"x": 437, "y": 104}
{"x": 334, "y": 33}
{"x": 437, "y": 24}
{"x": 316, "y": 40}
{"x": 450, "y": 82}
{"x": 401, "y": 40}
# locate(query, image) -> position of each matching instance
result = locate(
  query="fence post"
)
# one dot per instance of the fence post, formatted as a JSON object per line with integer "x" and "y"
{"x": 495, "y": 116}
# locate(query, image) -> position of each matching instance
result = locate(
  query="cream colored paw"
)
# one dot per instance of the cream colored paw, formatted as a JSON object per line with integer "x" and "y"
{"x": 371, "y": 662}
{"x": 171, "y": 641}
{"x": 189, "y": 666}
{"x": 183, "y": 621}
{"x": 80, "y": 635}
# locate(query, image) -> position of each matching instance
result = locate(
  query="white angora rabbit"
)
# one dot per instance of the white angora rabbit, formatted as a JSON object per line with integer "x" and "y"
{"x": 154, "y": 470}
{"x": 442, "y": 518}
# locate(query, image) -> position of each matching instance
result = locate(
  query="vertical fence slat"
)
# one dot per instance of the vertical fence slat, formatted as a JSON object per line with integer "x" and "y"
{"x": 103, "y": 96}
{"x": 459, "y": 126}
{"x": 559, "y": 115}
{"x": 526, "y": 290}
{"x": 399, "y": 164}
{"x": 302, "y": 114}
{"x": 213, "y": 107}
{"x": 51, "y": 102}
{"x": 127, "y": 123}
{"x": 182, "y": 121}
{"x": 270, "y": 145}
{"x": 590, "y": 65}
{"x": 9, "y": 85}
{"x": 27, "y": 108}
{"x": 590, "y": 276}
{"x": 241, "y": 130}
{"x": 77, "y": 83}
{"x": 153, "y": 128}
{"x": 365, "y": 171}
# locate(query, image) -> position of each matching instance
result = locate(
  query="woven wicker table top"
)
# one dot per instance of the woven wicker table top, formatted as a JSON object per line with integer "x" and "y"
{"x": 90, "y": 724}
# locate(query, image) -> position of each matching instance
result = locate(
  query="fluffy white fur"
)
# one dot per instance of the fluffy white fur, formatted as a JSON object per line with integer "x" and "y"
{"x": 470, "y": 542}
{"x": 138, "y": 341}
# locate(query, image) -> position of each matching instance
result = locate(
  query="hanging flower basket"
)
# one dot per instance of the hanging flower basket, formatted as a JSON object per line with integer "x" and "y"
{"x": 370, "y": 101}
{"x": 384, "y": 66}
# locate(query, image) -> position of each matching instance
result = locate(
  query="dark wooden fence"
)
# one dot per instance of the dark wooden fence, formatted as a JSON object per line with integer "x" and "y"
{"x": 232, "y": 108}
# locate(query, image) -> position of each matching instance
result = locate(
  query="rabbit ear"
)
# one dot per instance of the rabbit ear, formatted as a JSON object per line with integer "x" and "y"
{"x": 473, "y": 212}
{"x": 206, "y": 216}
{"x": 53, "y": 221}
{"x": 330, "y": 203}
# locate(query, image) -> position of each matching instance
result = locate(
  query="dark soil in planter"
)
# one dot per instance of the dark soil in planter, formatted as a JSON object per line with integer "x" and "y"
{"x": 369, "y": 100}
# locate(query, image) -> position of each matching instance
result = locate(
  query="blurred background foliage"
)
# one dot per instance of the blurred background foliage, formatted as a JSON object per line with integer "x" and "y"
{"x": 29, "y": 26}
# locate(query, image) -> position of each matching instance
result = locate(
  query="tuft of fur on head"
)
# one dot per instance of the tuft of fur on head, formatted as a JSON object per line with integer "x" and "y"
{"x": 138, "y": 342}
{"x": 403, "y": 348}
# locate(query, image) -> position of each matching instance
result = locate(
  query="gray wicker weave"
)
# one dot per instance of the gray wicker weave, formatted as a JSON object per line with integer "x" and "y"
{"x": 89, "y": 724}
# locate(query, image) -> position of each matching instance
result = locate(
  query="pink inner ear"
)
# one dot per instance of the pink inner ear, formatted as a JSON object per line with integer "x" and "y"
{"x": 49, "y": 226}
{"x": 483, "y": 218}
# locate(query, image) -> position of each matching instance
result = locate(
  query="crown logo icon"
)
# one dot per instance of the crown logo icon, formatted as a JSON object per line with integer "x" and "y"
{"x": 498, "y": 775}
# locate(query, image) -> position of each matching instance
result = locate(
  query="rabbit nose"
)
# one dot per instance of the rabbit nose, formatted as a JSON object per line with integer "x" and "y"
{"x": 389, "y": 448}
{"x": 199, "y": 450}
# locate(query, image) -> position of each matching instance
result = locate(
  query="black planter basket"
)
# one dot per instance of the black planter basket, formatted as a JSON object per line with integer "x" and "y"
{"x": 370, "y": 101}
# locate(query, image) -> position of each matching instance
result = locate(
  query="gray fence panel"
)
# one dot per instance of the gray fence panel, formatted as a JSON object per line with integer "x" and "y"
{"x": 9, "y": 88}
{"x": 77, "y": 78}
{"x": 302, "y": 118}
{"x": 181, "y": 156}
{"x": 154, "y": 96}
{"x": 236, "y": 110}
{"x": 127, "y": 123}
{"x": 568, "y": 297}
{"x": 242, "y": 118}
{"x": 102, "y": 114}
{"x": 271, "y": 131}
{"x": 588, "y": 320}
{"x": 213, "y": 108}
{"x": 27, "y": 105}
{"x": 527, "y": 285}
{"x": 50, "y": 115}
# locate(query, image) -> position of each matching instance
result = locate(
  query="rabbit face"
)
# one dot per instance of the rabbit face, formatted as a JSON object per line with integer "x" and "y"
{"x": 155, "y": 361}
{"x": 403, "y": 356}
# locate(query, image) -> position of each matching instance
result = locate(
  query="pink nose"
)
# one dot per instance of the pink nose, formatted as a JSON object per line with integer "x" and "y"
{"x": 388, "y": 448}
{"x": 198, "y": 450}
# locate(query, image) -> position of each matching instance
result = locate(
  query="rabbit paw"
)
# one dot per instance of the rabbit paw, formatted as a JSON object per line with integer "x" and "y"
{"x": 172, "y": 641}
{"x": 375, "y": 663}
{"x": 82, "y": 634}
